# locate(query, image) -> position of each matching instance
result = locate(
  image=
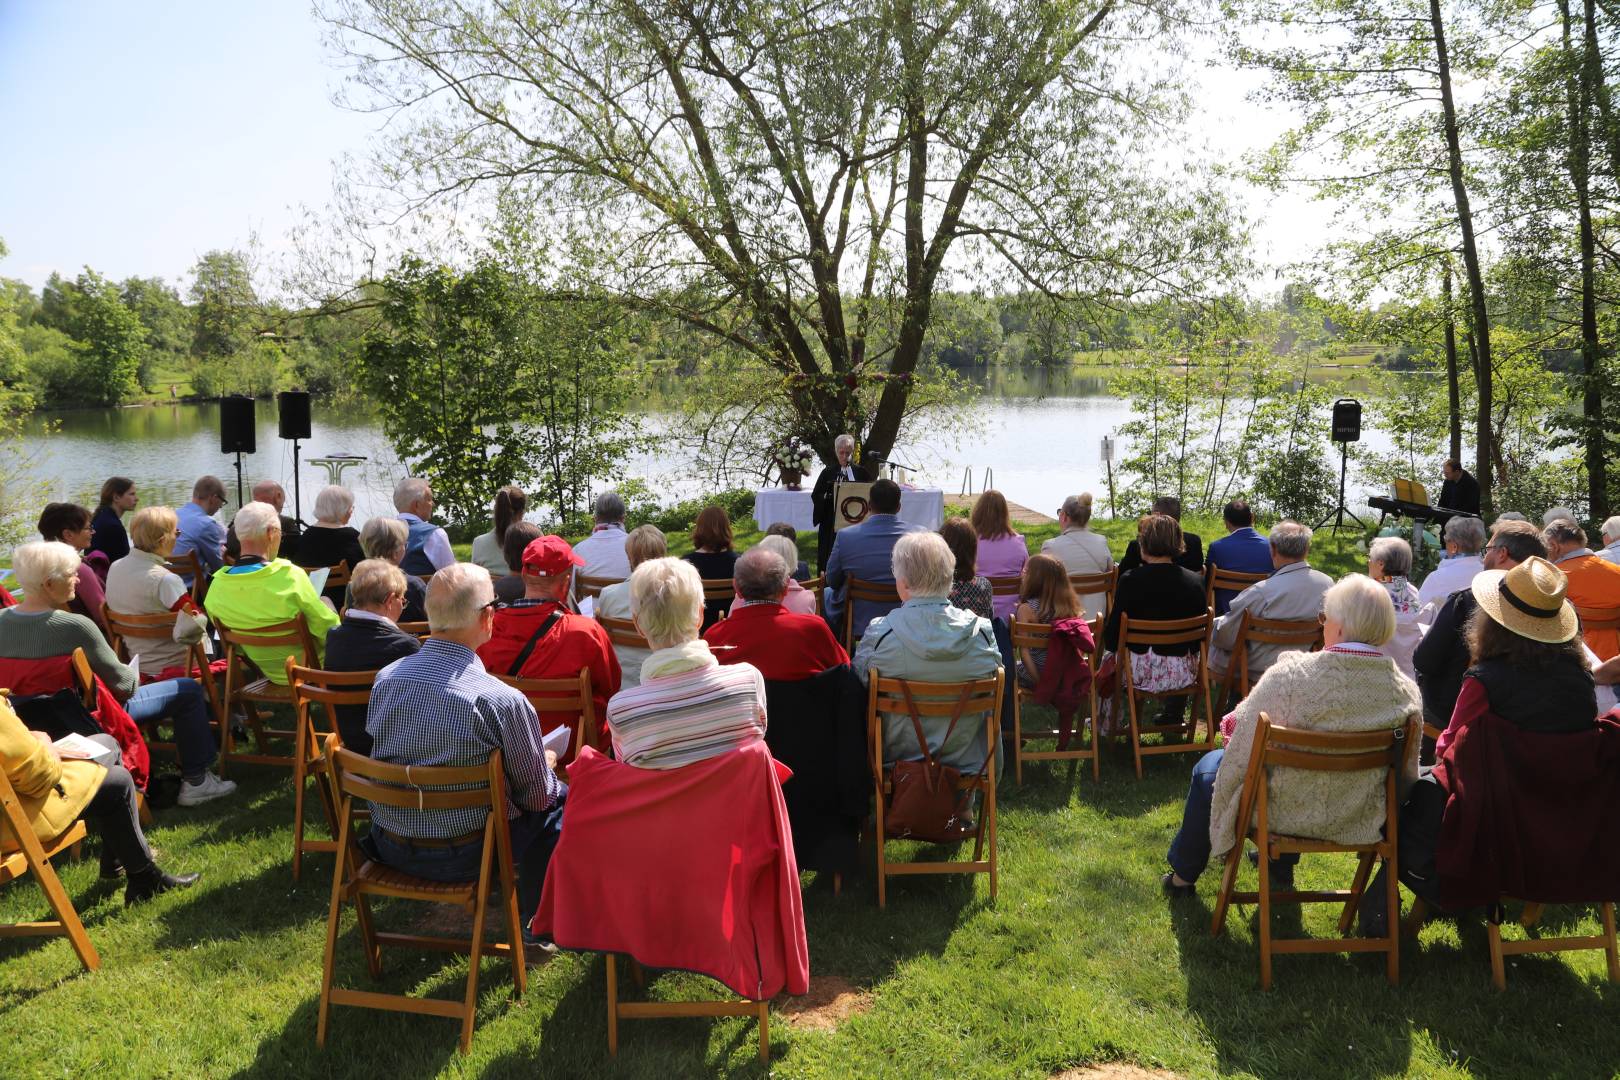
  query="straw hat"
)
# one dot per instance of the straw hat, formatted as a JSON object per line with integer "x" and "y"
{"x": 1529, "y": 600}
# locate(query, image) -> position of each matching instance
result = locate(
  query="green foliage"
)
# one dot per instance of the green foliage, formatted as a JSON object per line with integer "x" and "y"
{"x": 168, "y": 324}
{"x": 255, "y": 370}
{"x": 108, "y": 341}
{"x": 224, "y": 305}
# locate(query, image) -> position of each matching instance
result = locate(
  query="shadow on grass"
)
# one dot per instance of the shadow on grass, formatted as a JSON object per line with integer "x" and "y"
{"x": 263, "y": 904}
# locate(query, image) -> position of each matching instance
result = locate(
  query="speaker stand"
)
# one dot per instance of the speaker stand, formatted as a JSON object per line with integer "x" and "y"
{"x": 1338, "y": 515}
{"x": 239, "y": 502}
{"x": 298, "y": 510}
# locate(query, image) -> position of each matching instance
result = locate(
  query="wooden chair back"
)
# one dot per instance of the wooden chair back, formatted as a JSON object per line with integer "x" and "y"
{"x": 876, "y": 592}
{"x": 572, "y": 696}
{"x": 337, "y": 576}
{"x": 816, "y": 587}
{"x": 1304, "y": 635}
{"x": 1006, "y": 585}
{"x": 1227, "y": 580}
{"x": 85, "y": 679}
{"x": 355, "y": 878}
{"x": 1089, "y": 584}
{"x": 623, "y": 633}
{"x": 938, "y": 699}
{"x": 1275, "y": 746}
{"x": 188, "y": 565}
{"x": 1158, "y": 634}
{"x": 33, "y": 855}
{"x": 121, "y": 628}
{"x": 328, "y": 689}
{"x": 592, "y": 586}
{"x": 243, "y": 693}
{"x": 420, "y": 629}
{"x": 722, "y": 588}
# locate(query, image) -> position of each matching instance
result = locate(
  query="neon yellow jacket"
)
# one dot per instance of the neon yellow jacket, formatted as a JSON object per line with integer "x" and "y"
{"x": 263, "y": 594}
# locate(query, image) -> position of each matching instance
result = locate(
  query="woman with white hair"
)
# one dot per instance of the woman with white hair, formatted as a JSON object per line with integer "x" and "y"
{"x": 384, "y": 538}
{"x": 1351, "y": 685}
{"x": 687, "y": 707}
{"x": 332, "y": 539}
{"x": 822, "y": 514}
{"x": 37, "y": 629}
{"x": 1389, "y": 562}
{"x": 928, "y": 640}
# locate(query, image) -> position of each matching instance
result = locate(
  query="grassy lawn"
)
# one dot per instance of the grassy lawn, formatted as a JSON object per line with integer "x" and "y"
{"x": 1080, "y": 960}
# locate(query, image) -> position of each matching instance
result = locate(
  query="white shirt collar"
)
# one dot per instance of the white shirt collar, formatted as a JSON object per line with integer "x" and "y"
{"x": 361, "y": 613}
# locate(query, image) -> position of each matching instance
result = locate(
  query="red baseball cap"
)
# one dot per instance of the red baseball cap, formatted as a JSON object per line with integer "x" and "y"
{"x": 550, "y": 556}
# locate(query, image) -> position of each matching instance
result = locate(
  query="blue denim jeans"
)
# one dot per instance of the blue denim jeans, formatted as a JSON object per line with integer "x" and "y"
{"x": 1189, "y": 851}
{"x": 181, "y": 701}
{"x": 534, "y": 838}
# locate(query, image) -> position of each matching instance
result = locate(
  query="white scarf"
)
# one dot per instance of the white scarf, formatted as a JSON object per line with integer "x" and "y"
{"x": 679, "y": 659}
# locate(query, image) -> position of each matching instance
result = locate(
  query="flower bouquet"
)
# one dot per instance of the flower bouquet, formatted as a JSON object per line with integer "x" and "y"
{"x": 792, "y": 458}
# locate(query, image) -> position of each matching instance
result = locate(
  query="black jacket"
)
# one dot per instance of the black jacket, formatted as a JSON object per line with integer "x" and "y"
{"x": 821, "y": 496}
{"x": 1158, "y": 591}
{"x": 818, "y": 729}
{"x": 1461, "y": 494}
{"x": 1441, "y": 658}
{"x": 363, "y": 645}
{"x": 1557, "y": 699}
{"x": 1192, "y": 558}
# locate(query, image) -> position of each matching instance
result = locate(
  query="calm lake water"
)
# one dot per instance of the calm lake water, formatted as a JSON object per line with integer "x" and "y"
{"x": 1041, "y": 435}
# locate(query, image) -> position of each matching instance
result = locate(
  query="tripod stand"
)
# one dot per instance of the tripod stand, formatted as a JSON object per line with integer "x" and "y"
{"x": 1338, "y": 515}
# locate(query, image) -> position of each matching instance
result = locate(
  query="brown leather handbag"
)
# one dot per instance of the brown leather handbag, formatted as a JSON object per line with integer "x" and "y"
{"x": 924, "y": 800}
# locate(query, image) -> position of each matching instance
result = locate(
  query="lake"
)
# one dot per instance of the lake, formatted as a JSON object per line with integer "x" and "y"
{"x": 1041, "y": 435}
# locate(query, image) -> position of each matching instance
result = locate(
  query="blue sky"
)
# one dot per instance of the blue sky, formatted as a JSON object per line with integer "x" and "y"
{"x": 140, "y": 135}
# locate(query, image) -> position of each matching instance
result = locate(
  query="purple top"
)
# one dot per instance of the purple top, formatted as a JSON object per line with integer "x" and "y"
{"x": 1003, "y": 558}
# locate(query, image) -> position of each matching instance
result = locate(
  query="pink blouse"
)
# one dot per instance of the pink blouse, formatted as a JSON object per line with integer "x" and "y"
{"x": 1003, "y": 558}
{"x": 799, "y": 600}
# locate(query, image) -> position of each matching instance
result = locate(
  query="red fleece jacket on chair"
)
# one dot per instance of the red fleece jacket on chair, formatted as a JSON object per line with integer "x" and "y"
{"x": 688, "y": 868}
{"x": 24, "y": 677}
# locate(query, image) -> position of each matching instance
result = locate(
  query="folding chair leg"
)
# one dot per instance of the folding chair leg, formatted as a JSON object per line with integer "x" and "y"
{"x": 368, "y": 936}
{"x": 1265, "y": 918}
{"x": 765, "y": 1031}
{"x": 476, "y": 952}
{"x": 878, "y": 841}
{"x": 613, "y": 1005}
{"x": 300, "y": 750}
{"x": 1392, "y": 908}
{"x": 1493, "y": 931}
{"x": 1224, "y": 900}
{"x": 1136, "y": 734}
{"x": 1018, "y": 738}
{"x": 339, "y": 872}
{"x": 1357, "y": 887}
{"x": 1610, "y": 949}
{"x": 514, "y": 927}
{"x": 66, "y": 915}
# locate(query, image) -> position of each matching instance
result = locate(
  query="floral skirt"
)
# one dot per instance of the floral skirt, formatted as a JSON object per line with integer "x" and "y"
{"x": 1151, "y": 672}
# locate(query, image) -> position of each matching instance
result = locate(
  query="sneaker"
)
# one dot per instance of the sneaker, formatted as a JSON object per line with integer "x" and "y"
{"x": 211, "y": 787}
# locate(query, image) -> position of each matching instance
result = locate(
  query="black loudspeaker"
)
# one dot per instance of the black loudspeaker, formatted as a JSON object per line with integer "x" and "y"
{"x": 294, "y": 406}
{"x": 1347, "y": 420}
{"x": 237, "y": 425}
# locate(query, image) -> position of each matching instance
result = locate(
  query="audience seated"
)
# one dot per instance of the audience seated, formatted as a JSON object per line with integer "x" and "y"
{"x": 1389, "y": 562}
{"x": 1293, "y": 592}
{"x": 603, "y": 550}
{"x": 1441, "y": 658}
{"x": 866, "y": 552}
{"x": 368, "y": 638}
{"x": 613, "y": 602}
{"x": 1465, "y": 541}
{"x": 1044, "y": 597}
{"x": 1160, "y": 588}
{"x": 292, "y": 530}
{"x": 519, "y": 535}
{"x": 970, "y": 590}
{"x": 1594, "y": 582}
{"x": 537, "y": 637}
{"x": 801, "y": 569}
{"x": 1557, "y": 513}
{"x": 763, "y": 631}
{"x": 796, "y": 598}
{"x": 37, "y": 629}
{"x": 925, "y": 639}
{"x": 1002, "y": 551}
{"x": 200, "y": 533}
{"x": 1352, "y": 685}
{"x": 69, "y": 523}
{"x": 331, "y": 540}
{"x": 427, "y": 547}
{"x": 140, "y": 584}
{"x": 1611, "y": 540}
{"x": 1079, "y": 549}
{"x": 1241, "y": 551}
{"x": 54, "y": 793}
{"x": 712, "y": 555}
{"x": 118, "y": 497}
{"x": 384, "y": 538}
{"x": 262, "y": 589}
{"x": 440, "y": 707}
{"x": 1192, "y": 554}
{"x": 489, "y": 549}
{"x": 688, "y": 707}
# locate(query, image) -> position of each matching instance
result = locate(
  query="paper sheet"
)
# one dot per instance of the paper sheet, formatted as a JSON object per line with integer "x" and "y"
{"x": 318, "y": 576}
{"x": 587, "y": 607}
{"x": 76, "y": 747}
{"x": 557, "y": 740}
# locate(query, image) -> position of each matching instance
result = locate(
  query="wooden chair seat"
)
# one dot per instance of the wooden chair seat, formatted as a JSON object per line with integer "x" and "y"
{"x": 1038, "y": 636}
{"x": 246, "y": 687}
{"x": 1157, "y": 634}
{"x": 32, "y": 855}
{"x": 15, "y": 863}
{"x": 379, "y": 879}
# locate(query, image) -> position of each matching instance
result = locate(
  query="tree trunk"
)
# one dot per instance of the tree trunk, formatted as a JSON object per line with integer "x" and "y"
{"x": 1470, "y": 252}
{"x": 1580, "y": 167}
{"x": 1453, "y": 389}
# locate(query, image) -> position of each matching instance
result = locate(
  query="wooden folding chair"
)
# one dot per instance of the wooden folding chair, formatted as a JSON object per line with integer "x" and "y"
{"x": 36, "y": 857}
{"x": 329, "y": 689}
{"x": 623, "y": 633}
{"x": 872, "y": 591}
{"x": 718, "y": 589}
{"x": 1039, "y": 636}
{"x": 1157, "y": 634}
{"x": 188, "y": 565}
{"x": 357, "y": 878}
{"x": 1007, "y": 585}
{"x": 1304, "y": 635}
{"x": 1317, "y": 751}
{"x": 1227, "y": 581}
{"x": 563, "y": 696}
{"x": 336, "y": 576}
{"x": 247, "y": 693}
{"x": 1528, "y": 919}
{"x": 420, "y": 629}
{"x": 592, "y": 586}
{"x": 816, "y": 587}
{"x": 652, "y": 1010}
{"x": 122, "y": 628}
{"x": 937, "y": 699}
{"x": 1090, "y": 584}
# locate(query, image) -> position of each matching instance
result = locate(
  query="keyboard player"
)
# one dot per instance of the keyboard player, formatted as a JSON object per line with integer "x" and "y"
{"x": 1460, "y": 492}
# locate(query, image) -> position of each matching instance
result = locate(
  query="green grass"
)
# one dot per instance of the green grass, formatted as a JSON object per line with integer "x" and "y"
{"x": 1079, "y": 960}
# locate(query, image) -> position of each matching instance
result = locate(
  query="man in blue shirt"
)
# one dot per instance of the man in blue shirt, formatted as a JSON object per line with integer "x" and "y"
{"x": 199, "y": 532}
{"x": 865, "y": 551}
{"x": 1242, "y": 550}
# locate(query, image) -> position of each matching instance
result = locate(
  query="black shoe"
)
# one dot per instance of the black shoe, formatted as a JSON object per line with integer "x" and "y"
{"x": 1174, "y": 891}
{"x": 151, "y": 881}
{"x": 111, "y": 868}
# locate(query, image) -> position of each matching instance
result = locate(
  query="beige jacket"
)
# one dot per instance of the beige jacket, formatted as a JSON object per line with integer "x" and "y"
{"x": 1323, "y": 691}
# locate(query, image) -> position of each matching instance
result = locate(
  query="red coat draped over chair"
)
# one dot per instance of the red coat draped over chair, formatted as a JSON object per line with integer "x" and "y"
{"x": 25, "y": 677}
{"x": 688, "y": 868}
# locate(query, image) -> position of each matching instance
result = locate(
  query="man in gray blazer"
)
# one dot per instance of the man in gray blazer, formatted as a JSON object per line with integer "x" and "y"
{"x": 1293, "y": 591}
{"x": 865, "y": 551}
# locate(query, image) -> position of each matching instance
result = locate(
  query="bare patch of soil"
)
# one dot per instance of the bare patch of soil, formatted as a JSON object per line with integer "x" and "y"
{"x": 830, "y": 1002}
{"x": 1114, "y": 1070}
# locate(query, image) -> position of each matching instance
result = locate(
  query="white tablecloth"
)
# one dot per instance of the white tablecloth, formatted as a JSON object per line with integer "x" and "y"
{"x": 920, "y": 506}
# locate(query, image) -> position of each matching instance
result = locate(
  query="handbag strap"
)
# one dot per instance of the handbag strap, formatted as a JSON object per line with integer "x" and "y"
{"x": 916, "y": 723}
{"x": 523, "y": 656}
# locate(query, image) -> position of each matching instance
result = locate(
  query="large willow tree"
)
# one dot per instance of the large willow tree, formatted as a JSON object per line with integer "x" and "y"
{"x": 798, "y": 180}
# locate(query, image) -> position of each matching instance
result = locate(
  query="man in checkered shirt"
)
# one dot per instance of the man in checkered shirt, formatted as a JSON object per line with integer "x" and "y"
{"x": 440, "y": 707}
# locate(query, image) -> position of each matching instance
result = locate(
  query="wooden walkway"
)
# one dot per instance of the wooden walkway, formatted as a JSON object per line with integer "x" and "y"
{"x": 1021, "y": 515}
